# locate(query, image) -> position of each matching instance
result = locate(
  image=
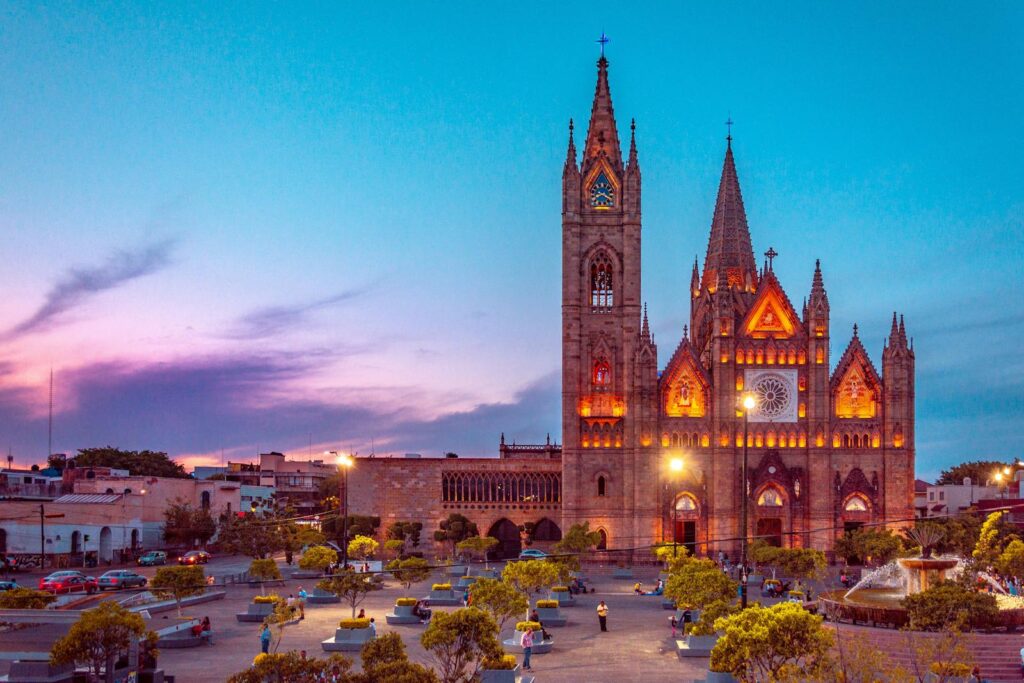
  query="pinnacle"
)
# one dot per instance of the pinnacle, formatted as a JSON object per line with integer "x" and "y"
{"x": 602, "y": 135}
{"x": 570, "y": 157}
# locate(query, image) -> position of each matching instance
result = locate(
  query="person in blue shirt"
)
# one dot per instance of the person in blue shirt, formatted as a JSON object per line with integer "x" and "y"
{"x": 265, "y": 639}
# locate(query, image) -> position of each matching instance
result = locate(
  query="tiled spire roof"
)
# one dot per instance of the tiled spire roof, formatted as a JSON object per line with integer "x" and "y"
{"x": 729, "y": 248}
{"x": 602, "y": 135}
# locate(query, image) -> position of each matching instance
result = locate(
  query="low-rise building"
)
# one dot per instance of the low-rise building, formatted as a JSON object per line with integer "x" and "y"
{"x": 950, "y": 499}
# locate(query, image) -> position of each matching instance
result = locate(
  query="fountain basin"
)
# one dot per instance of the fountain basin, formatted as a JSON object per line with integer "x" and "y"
{"x": 882, "y": 607}
{"x": 924, "y": 572}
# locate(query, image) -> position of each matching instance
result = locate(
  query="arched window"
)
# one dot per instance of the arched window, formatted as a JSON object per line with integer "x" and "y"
{"x": 602, "y": 373}
{"x": 603, "y": 543}
{"x": 770, "y": 498}
{"x": 601, "y": 286}
{"x": 856, "y": 504}
{"x": 600, "y": 486}
{"x": 204, "y": 500}
{"x": 686, "y": 503}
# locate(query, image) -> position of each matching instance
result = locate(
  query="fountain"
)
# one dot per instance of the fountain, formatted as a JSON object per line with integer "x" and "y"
{"x": 877, "y": 597}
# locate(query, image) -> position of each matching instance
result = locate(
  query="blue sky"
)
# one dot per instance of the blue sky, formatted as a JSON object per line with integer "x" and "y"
{"x": 254, "y": 226}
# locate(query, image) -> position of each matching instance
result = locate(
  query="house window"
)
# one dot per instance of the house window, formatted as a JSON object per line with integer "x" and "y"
{"x": 942, "y": 495}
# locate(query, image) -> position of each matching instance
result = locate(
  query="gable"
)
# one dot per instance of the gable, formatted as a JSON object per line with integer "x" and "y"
{"x": 771, "y": 315}
{"x": 856, "y": 388}
{"x": 684, "y": 385}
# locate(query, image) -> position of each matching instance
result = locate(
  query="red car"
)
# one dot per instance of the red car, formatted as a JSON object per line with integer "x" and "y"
{"x": 194, "y": 557}
{"x": 68, "y": 582}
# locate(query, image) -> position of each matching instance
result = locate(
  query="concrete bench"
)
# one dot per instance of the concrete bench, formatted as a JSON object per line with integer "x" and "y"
{"x": 347, "y": 640}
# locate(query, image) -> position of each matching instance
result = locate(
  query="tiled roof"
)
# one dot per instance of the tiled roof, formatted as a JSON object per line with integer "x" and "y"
{"x": 100, "y": 498}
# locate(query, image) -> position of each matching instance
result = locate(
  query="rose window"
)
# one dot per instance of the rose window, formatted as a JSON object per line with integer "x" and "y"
{"x": 773, "y": 396}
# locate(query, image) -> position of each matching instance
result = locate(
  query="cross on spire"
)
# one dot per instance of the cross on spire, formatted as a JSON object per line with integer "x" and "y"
{"x": 728, "y": 128}
{"x": 770, "y": 254}
{"x": 603, "y": 40}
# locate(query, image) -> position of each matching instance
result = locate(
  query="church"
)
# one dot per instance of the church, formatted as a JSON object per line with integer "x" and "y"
{"x": 653, "y": 456}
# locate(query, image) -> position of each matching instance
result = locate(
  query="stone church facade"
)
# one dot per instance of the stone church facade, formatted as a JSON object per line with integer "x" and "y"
{"x": 828, "y": 449}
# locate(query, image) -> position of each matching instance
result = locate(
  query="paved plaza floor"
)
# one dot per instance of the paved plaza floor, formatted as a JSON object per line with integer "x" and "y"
{"x": 637, "y": 646}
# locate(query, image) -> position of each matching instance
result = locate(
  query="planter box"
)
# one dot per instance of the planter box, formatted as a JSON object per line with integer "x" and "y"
{"x": 306, "y": 574}
{"x": 565, "y": 599}
{"x": 539, "y": 647}
{"x": 500, "y": 675}
{"x": 694, "y": 616}
{"x": 456, "y": 570}
{"x": 551, "y": 616}
{"x": 465, "y": 582}
{"x": 256, "y": 612}
{"x": 485, "y": 573}
{"x": 720, "y": 677}
{"x": 444, "y": 598}
{"x": 402, "y": 614}
{"x": 269, "y": 582}
{"x": 752, "y": 579}
{"x": 696, "y": 646}
{"x": 40, "y": 672}
{"x": 322, "y": 597}
{"x": 622, "y": 573}
{"x": 667, "y": 603}
{"x": 347, "y": 640}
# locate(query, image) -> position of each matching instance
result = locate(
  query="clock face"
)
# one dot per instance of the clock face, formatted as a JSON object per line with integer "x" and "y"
{"x": 602, "y": 193}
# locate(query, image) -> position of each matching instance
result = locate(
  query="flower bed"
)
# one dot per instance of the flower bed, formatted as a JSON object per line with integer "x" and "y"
{"x": 354, "y": 623}
{"x": 441, "y": 587}
{"x": 547, "y": 604}
{"x": 265, "y": 599}
{"x": 560, "y": 589}
{"x": 523, "y": 625}
{"x": 406, "y": 602}
{"x": 503, "y": 663}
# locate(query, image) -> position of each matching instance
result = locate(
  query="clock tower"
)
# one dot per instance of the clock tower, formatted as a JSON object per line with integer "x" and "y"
{"x": 609, "y": 366}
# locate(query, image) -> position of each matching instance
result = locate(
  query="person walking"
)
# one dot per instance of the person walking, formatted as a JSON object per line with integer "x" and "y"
{"x": 265, "y": 639}
{"x": 302, "y": 602}
{"x": 373, "y": 629}
{"x": 602, "y": 615}
{"x": 526, "y": 641}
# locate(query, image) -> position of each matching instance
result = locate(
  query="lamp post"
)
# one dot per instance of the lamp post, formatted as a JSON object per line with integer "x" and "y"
{"x": 749, "y": 403}
{"x": 676, "y": 466}
{"x": 345, "y": 461}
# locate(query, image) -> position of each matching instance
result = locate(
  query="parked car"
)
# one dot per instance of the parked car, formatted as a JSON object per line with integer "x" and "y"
{"x": 152, "y": 558}
{"x": 68, "y": 582}
{"x": 531, "y": 554}
{"x": 120, "y": 578}
{"x": 194, "y": 557}
{"x": 8, "y": 585}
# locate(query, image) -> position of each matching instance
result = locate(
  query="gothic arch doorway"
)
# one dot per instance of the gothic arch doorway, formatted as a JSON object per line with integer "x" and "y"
{"x": 507, "y": 534}
{"x": 76, "y": 542}
{"x": 135, "y": 539}
{"x": 3, "y": 541}
{"x": 546, "y": 530}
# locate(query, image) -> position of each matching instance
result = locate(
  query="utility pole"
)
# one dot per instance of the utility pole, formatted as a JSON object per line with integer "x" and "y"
{"x": 49, "y": 430}
{"x": 42, "y": 537}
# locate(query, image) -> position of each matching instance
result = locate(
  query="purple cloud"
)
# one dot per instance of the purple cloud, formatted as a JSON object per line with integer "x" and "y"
{"x": 272, "y": 320}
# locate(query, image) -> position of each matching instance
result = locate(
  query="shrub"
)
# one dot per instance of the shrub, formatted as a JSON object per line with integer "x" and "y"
{"x": 547, "y": 604}
{"x": 949, "y": 604}
{"x": 523, "y": 625}
{"x": 406, "y": 602}
{"x": 260, "y": 658}
{"x": 441, "y": 587}
{"x": 559, "y": 589}
{"x": 264, "y": 570}
{"x": 354, "y": 623}
{"x": 265, "y": 599}
{"x": 318, "y": 558}
{"x": 25, "y": 598}
{"x": 503, "y": 663}
{"x": 713, "y": 611}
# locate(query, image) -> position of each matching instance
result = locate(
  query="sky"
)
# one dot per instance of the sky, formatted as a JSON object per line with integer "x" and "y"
{"x": 239, "y": 227}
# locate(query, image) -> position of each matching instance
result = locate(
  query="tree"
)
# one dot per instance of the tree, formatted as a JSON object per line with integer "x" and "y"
{"x": 406, "y": 532}
{"x": 99, "y": 638}
{"x": 184, "y": 525}
{"x": 454, "y": 529}
{"x": 254, "y": 536}
{"x": 949, "y": 604}
{"x": 291, "y": 666}
{"x": 384, "y": 659}
{"x": 578, "y": 539}
{"x": 409, "y": 571}
{"x": 318, "y": 558}
{"x": 477, "y": 546}
{"x": 803, "y": 563}
{"x": 25, "y": 598}
{"x": 138, "y": 463}
{"x": 458, "y": 641}
{"x": 282, "y": 615}
{"x": 178, "y": 583}
{"x": 766, "y": 644}
{"x": 394, "y": 548}
{"x": 362, "y": 547}
{"x": 978, "y": 470}
{"x": 878, "y": 546}
{"x": 351, "y": 587}
{"x": 499, "y": 599}
{"x": 1011, "y": 560}
{"x": 990, "y": 540}
{"x": 530, "y": 576}
{"x": 264, "y": 570}
{"x": 358, "y": 525}
{"x": 959, "y": 533}
{"x": 700, "y": 584}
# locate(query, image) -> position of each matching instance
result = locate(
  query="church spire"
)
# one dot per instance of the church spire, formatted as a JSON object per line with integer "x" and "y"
{"x": 602, "y": 135}
{"x": 645, "y": 328}
{"x": 730, "y": 253}
{"x": 695, "y": 280}
{"x": 570, "y": 155}
{"x": 633, "y": 163}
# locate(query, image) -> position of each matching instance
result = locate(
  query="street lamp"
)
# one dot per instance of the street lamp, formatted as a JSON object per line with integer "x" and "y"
{"x": 749, "y": 403}
{"x": 345, "y": 462}
{"x": 676, "y": 466}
